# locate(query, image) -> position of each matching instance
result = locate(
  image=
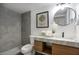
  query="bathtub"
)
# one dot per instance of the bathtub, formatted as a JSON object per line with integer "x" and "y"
{"x": 13, "y": 51}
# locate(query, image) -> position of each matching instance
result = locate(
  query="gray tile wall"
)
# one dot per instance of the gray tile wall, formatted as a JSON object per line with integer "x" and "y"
{"x": 10, "y": 29}
{"x": 26, "y": 28}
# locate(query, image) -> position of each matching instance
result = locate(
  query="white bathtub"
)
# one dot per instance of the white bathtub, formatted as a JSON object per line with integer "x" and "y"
{"x": 13, "y": 51}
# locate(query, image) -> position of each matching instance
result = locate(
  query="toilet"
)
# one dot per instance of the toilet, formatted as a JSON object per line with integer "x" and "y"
{"x": 27, "y": 49}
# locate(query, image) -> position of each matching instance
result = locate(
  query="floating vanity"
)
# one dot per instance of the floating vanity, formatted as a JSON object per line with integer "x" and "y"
{"x": 55, "y": 46}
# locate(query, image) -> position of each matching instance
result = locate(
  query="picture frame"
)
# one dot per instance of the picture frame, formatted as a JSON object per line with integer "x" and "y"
{"x": 42, "y": 20}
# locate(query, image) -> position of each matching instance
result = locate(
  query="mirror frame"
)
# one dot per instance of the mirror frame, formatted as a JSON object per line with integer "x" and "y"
{"x": 57, "y": 8}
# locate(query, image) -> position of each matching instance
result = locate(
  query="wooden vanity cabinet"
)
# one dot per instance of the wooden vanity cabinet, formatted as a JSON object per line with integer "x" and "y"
{"x": 42, "y": 47}
{"x": 58, "y": 49}
{"x": 55, "y": 49}
{"x": 38, "y": 45}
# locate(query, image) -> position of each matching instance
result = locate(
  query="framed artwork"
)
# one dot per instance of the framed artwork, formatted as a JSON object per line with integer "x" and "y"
{"x": 42, "y": 20}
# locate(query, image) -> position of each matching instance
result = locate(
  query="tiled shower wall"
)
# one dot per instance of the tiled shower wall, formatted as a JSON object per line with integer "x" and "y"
{"x": 10, "y": 29}
{"x": 25, "y": 27}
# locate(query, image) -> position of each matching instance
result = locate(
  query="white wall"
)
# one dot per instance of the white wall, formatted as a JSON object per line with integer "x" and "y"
{"x": 77, "y": 27}
{"x": 69, "y": 30}
{"x": 34, "y": 30}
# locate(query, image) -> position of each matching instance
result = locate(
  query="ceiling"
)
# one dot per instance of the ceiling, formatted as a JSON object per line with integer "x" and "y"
{"x": 24, "y": 7}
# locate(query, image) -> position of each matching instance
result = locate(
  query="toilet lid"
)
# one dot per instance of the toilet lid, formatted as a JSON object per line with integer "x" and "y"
{"x": 26, "y": 46}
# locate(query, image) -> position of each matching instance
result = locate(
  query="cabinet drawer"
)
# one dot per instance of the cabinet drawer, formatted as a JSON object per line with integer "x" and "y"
{"x": 64, "y": 50}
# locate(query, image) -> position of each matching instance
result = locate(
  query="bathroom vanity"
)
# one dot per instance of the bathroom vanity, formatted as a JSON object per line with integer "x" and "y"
{"x": 55, "y": 46}
{"x": 63, "y": 44}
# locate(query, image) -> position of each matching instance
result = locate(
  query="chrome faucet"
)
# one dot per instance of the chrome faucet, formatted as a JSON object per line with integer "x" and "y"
{"x": 62, "y": 34}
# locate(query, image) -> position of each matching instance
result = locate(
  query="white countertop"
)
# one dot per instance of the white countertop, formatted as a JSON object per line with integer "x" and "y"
{"x": 55, "y": 38}
{"x": 63, "y": 41}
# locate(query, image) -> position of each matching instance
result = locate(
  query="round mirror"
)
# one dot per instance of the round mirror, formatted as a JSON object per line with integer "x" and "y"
{"x": 65, "y": 16}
